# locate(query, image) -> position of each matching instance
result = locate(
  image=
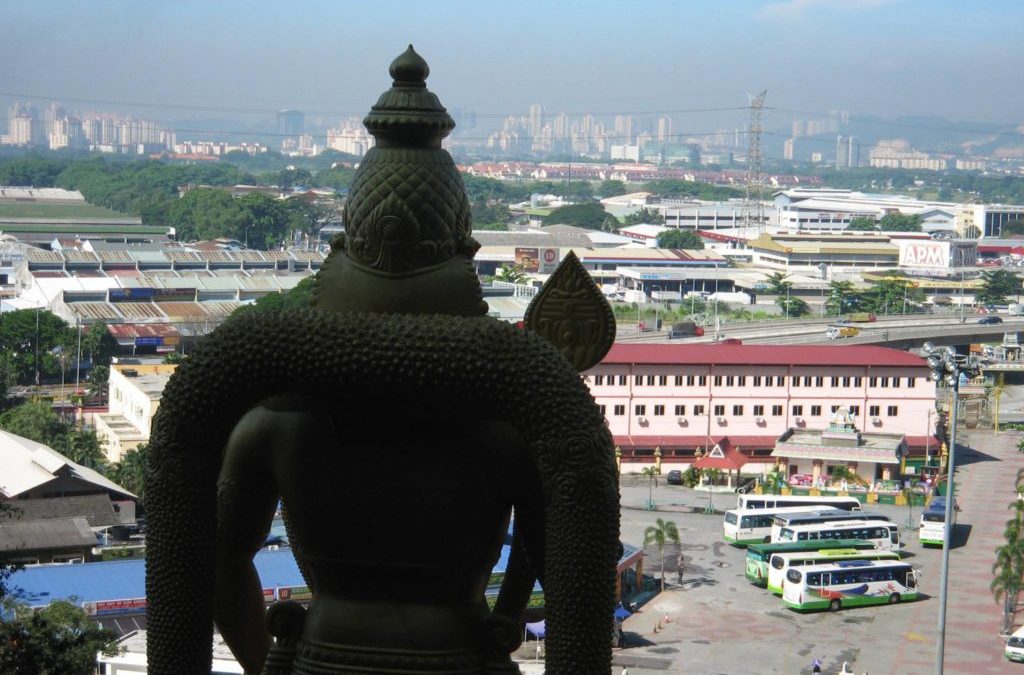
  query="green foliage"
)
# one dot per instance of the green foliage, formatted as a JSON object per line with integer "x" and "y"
{"x": 129, "y": 473}
{"x": 37, "y": 421}
{"x": 887, "y": 297}
{"x": 997, "y": 285}
{"x": 691, "y": 477}
{"x": 862, "y": 224}
{"x": 898, "y": 222}
{"x": 489, "y": 216}
{"x": 644, "y": 216}
{"x": 671, "y": 187}
{"x": 512, "y": 274}
{"x": 1008, "y": 569}
{"x": 611, "y": 188}
{"x": 790, "y": 305}
{"x": 31, "y": 171}
{"x": 60, "y": 639}
{"x": 842, "y": 298}
{"x": 19, "y": 348}
{"x": 591, "y": 216}
{"x": 663, "y": 532}
{"x": 686, "y": 240}
{"x": 98, "y": 345}
{"x": 297, "y": 298}
{"x": 258, "y": 220}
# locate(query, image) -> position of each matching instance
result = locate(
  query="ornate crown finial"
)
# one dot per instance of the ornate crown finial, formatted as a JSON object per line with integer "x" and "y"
{"x": 408, "y": 114}
{"x": 409, "y": 69}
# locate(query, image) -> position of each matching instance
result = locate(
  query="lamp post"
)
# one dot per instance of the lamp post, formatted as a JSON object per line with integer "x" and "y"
{"x": 947, "y": 366}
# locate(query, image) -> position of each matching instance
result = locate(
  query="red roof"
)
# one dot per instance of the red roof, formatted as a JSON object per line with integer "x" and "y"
{"x": 134, "y": 330}
{"x": 761, "y": 355}
{"x": 731, "y": 460}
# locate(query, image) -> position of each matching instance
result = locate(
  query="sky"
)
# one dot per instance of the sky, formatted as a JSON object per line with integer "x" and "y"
{"x": 955, "y": 59}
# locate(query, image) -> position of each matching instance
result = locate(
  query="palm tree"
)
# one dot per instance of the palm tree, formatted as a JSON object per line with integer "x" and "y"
{"x": 841, "y": 297}
{"x": 1008, "y": 569}
{"x": 652, "y": 474}
{"x": 774, "y": 482}
{"x": 660, "y": 534}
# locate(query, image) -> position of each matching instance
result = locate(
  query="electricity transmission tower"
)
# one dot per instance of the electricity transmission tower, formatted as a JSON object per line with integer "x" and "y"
{"x": 753, "y": 207}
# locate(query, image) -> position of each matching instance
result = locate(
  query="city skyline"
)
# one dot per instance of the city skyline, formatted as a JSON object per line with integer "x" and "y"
{"x": 899, "y": 58}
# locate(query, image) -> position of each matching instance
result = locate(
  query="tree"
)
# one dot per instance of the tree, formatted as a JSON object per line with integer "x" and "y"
{"x": 842, "y": 297}
{"x": 512, "y": 274}
{"x": 686, "y": 240}
{"x": 489, "y": 216}
{"x": 590, "y": 216}
{"x": 36, "y": 421}
{"x": 892, "y": 296}
{"x": 297, "y": 298}
{"x": 862, "y": 224}
{"x": 898, "y": 222}
{"x": 129, "y": 473}
{"x": 645, "y": 216}
{"x": 98, "y": 378}
{"x": 98, "y": 344}
{"x": 1008, "y": 569}
{"x": 774, "y": 481}
{"x": 996, "y": 285}
{"x": 781, "y": 289}
{"x": 610, "y": 188}
{"x": 652, "y": 475}
{"x": 660, "y": 534}
{"x": 28, "y": 339}
{"x": 60, "y": 639}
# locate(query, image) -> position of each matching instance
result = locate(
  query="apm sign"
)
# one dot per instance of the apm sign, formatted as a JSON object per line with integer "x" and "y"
{"x": 924, "y": 254}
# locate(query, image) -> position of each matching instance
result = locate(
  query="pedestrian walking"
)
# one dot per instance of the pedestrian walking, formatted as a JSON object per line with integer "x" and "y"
{"x": 679, "y": 568}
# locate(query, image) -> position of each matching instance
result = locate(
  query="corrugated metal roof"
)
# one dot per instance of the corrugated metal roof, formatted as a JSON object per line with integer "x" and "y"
{"x": 94, "y": 310}
{"x": 220, "y": 308}
{"x": 38, "y": 255}
{"x": 140, "y": 310}
{"x": 116, "y": 256}
{"x": 761, "y": 355}
{"x": 96, "y": 509}
{"x": 81, "y": 257}
{"x": 183, "y": 311}
{"x": 37, "y": 535}
{"x": 27, "y": 465}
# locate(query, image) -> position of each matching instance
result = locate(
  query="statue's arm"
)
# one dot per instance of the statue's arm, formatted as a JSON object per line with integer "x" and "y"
{"x": 247, "y": 496}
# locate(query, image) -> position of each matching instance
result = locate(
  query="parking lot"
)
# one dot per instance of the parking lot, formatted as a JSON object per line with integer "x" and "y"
{"x": 719, "y": 623}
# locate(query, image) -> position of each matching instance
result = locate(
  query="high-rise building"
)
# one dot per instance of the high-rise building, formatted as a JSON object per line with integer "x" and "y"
{"x": 787, "y": 149}
{"x": 624, "y": 129}
{"x": 291, "y": 123}
{"x": 799, "y": 128}
{"x": 847, "y": 152}
{"x": 67, "y": 133}
{"x": 664, "y": 129}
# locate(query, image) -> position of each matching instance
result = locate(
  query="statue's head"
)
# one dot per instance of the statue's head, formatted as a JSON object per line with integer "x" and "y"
{"x": 407, "y": 246}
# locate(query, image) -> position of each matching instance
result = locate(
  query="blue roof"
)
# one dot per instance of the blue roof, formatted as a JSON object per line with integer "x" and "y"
{"x": 125, "y": 579}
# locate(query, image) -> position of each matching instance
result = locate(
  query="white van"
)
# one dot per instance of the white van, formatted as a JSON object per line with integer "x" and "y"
{"x": 1015, "y": 646}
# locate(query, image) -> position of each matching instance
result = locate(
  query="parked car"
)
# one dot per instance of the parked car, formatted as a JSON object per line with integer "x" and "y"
{"x": 730, "y": 341}
{"x": 990, "y": 319}
{"x": 674, "y": 477}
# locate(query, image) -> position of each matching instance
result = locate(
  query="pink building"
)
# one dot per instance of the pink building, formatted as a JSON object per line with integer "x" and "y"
{"x": 683, "y": 397}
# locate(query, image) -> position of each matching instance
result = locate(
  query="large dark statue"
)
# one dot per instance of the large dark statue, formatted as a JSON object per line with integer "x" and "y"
{"x": 399, "y": 426}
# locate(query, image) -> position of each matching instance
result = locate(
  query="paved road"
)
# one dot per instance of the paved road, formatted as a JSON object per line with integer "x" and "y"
{"x": 721, "y": 624}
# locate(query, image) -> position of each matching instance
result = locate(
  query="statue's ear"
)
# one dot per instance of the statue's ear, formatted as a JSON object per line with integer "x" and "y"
{"x": 572, "y": 313}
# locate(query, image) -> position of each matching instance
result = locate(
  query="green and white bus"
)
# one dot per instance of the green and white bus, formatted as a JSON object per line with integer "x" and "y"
{"x": 881, "y": 533}
{"x": 780, "y": 563}
{"x": 933, "y": 522}
{"x": 759, "y": 554}
{"x": 748, "y": 501}
{"x": 754, "y": 526}
{"x": 849, "y": 583}
{"x": 823, "y": 516}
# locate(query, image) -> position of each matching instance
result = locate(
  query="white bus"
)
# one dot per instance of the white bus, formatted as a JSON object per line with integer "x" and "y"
{"x": 754, "y": 526}
{"x": 933, "y": 522}
{"x": 849, "y": 583}
{"x": 881, "y": 533}
{"x": 823, "y": 516}
{"x": 780, "y": 563}
{"x": 781, "y": 501}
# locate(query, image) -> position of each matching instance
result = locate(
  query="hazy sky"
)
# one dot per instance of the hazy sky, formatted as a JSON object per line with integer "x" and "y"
{"x": 957, "y": 59}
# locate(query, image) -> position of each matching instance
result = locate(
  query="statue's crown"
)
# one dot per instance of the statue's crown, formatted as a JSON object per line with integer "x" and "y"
{"x": 408, "y": 113}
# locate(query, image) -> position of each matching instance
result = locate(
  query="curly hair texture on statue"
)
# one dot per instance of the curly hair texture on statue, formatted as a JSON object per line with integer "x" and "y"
{"x": 467, "y": 368}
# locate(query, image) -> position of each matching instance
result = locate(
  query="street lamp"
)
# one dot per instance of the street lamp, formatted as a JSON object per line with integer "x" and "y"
{"x": 947, "y": 366}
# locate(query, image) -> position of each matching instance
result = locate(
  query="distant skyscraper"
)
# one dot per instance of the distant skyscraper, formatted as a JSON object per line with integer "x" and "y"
{"x": 536, "y": 119}
{"x": 624, "y": 129}
{"x": 787, "y": 149}
{"x": 799, "y": 129}
{"x": 291, "y": 123}
{"x": 847, "y": 155}
{"x": 664, "y": 129}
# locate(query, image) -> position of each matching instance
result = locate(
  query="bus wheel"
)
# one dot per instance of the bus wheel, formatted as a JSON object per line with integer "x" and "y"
{"x": 835, "y": 605}
{"x": 894, "y": 598}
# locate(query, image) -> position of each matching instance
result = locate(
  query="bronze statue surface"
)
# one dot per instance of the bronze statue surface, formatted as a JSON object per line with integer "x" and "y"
{"x": 399, "y": 427}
